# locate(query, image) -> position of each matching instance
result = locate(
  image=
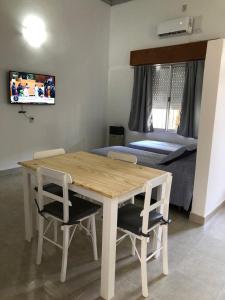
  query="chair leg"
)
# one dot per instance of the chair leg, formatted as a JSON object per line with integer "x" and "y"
{"x": 165, "y": 249}
{"x": 37, "y": 220}
{"x": 133, "y": 246}
{"x": 94, "y": 237}
{"x": 35, "y": 196}
{"x": 66, "y": 233}
{"x": 88, "y": 225}
{"x": 144, "y": 278}
{"x": 55, "y": 231}
{"x": 132, "y": 200}
{"x": 40, "y": 239}
{"x": 157, "y": 240}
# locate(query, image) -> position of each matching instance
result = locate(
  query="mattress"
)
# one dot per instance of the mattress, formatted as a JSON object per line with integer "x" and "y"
{"x": 155, "y": 146}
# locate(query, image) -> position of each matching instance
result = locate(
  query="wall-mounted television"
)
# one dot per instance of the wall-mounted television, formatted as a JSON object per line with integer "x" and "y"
{"x": 31, "y": 88}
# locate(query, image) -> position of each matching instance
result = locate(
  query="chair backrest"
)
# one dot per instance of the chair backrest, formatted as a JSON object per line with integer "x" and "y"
{"x": 60, "y": 178}
{"x": 161, "y": 205}
{"x": 123, "y": 157}
{"x": 48, "y": 153}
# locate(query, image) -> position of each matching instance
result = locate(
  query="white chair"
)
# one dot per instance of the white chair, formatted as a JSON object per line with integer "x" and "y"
{"x": 138, "y": 223}
{"x": 70, "y": 211}
{"x": 50, "y": 187}
{"x": 53, "y": 188}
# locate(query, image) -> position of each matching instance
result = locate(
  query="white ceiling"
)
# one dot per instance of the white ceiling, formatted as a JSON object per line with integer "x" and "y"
{"x": 114, "y": 2}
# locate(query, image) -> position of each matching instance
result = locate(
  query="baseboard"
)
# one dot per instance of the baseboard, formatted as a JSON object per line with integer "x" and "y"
{"x": 203, "y": 220}
{"x": 10, "y": 171}
{"x": 196, "y": 219}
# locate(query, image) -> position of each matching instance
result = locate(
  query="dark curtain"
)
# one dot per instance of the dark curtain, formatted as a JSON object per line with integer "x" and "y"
{"x": 141, "y": 106}
{"x": 191, "y": 104}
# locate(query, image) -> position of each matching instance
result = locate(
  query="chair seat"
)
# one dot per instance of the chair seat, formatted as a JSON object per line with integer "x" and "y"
{"x": 80, "y": 209}
{"x": 129, "y": 218}
{"x": 54, "y": 189}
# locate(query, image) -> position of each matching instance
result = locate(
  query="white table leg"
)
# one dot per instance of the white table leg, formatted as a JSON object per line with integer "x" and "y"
{"x": 110, "y": 209}
{"x": 27, "y": 205}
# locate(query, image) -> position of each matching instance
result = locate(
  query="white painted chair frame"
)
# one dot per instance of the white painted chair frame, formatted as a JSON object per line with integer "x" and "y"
{"x": 63, "y": 180}
{"x": 162, "y": 206}
{"x": 48, "y": 153}
{"x": 45, "y": 154}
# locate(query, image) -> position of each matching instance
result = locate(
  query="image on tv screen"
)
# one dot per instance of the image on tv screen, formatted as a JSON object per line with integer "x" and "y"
{"x": 30, "y": 88}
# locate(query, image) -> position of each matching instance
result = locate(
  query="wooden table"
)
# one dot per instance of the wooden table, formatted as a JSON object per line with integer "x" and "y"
{"x": 102, "y": 179}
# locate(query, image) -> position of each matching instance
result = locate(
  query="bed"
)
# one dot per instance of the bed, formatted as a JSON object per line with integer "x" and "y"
{"x": 181, "y": 163}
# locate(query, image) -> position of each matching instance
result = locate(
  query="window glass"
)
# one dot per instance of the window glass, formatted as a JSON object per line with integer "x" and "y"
{"x": 167, "y": 93}
{"x": 177, "y": 89}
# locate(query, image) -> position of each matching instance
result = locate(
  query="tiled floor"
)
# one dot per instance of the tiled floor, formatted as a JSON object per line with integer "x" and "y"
{"x": 196, "y": 260}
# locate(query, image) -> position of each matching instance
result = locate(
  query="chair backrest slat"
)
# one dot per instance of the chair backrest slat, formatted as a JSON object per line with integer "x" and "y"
{"x": 60, "y": 178}
{"x": 154, "y": 206}
{"x": 56, "y": 175}
{"x": 48, "y": 153}
{"x": 123, "y": 157}
{"x": 162, "y": 204}
{"x": 54, "y": 197}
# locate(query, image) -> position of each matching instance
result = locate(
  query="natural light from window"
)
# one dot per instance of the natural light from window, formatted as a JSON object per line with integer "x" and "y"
{"x": 167, "y": 92}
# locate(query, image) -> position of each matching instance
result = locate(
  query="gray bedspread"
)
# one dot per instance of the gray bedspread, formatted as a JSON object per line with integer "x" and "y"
{"x": 182, "y": 168}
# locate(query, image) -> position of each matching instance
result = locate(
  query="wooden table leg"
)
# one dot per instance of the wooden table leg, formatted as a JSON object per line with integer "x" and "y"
{"x": 110, "y": 210}
{"x": 27, "y": 205}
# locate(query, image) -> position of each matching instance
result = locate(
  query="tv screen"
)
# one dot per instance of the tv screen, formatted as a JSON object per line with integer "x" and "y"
{"x": 30, "y": 88}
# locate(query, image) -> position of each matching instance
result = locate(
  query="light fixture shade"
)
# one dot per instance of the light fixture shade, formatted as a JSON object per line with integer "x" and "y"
{"x": 34, "y": 31}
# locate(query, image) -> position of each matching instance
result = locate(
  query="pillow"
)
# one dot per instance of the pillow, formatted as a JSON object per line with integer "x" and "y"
{"x": 179, "y": 153}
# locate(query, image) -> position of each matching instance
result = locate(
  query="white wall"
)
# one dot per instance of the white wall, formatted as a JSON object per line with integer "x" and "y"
{"x": 209, "y": 190}
{"x": 76, "y": 52}
{"x": 133, "y": 26}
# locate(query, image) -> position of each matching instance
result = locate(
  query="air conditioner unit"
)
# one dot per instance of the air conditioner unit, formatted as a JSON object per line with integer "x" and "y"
{"x": 176, "y": 26}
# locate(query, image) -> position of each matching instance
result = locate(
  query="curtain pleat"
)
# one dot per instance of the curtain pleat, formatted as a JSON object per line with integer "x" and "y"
{"x": 141, "y": 107}
{"x": 191, "y": 103}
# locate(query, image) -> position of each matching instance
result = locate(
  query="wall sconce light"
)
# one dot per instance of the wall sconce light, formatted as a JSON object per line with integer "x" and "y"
{"x": 34, "y": 31}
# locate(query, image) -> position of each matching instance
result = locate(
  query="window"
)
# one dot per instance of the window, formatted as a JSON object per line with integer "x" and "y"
{"x": 167, "y": 92}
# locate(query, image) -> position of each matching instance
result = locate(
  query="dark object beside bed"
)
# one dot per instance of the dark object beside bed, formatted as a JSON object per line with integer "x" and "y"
{"x": 181, "y": 163}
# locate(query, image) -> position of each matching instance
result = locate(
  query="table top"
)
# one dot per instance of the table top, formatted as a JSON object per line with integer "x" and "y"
{"x": 108, "y": 177}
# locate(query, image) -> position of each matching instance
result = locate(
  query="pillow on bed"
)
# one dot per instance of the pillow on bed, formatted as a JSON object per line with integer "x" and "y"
{"x": 179, "y": 153}
{"x": 155, "y": 146}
